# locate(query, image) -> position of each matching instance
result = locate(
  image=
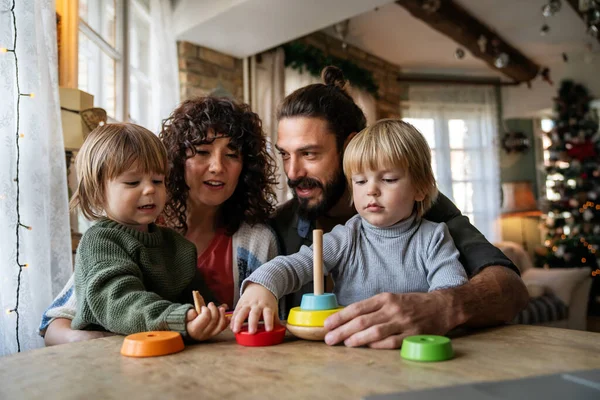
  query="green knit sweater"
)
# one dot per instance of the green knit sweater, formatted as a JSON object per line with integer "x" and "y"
{"x": 127, "y": 281}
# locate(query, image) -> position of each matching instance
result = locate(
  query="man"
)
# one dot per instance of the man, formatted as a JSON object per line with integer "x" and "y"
{"x": 315, "y": 124}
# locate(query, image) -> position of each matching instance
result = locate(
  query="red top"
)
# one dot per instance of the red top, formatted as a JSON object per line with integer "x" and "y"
{"x": 215, "y": 266}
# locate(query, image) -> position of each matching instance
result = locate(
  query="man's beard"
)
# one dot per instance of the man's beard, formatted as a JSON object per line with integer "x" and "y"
{"x": 332, "y": 192}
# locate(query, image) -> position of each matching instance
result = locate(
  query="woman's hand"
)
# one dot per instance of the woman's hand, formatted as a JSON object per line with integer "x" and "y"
{"x": 210, "y": 322}
{"x": 59, "y": 332}
{"x": 255, "y": 301}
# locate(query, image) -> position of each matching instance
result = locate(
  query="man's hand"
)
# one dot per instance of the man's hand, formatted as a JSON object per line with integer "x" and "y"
{"x": 492, "y": 297}
{"x": 210, "y": 322}
{"x": 384, "y": 320}
{"x": 256, "y": 301}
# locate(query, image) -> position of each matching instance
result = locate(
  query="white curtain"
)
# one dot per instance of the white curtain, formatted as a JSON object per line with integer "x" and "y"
{"x": 164, "y": 73}
{"x": 460, "y": 124}
{"x": 269, "y": 86}
{"x": 295, "y": 79}
{"x": 366, "y": 102}
{"x": 41, "y": 172}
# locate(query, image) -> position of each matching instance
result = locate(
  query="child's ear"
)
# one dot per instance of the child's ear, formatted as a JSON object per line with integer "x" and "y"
{"x": 420, "y": 196}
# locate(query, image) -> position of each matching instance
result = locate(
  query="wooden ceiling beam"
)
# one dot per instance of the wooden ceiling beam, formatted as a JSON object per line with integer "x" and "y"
{"x": 459, "y": 25}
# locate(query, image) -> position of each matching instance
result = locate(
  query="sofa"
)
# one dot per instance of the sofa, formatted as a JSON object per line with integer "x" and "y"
{"x": 558, "y": 296}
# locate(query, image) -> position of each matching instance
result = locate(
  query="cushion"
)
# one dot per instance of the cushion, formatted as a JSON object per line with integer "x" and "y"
{"x": 561, "y": 281}
{"x": 516, "y": 254}
{"x": 546, "y": 308}
{"x": 535, "y": 289}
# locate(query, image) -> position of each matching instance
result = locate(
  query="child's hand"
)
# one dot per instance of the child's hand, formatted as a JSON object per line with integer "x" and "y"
{"x": 255, "y": 301}
{"x": 210, "y": 322}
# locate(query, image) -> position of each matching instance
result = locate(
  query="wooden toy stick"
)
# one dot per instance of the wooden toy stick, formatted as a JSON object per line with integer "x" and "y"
{"x": 198, "y": 301}
{"x": 318, "y": 261}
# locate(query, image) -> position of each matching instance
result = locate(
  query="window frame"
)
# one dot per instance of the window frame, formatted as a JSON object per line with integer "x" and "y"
{"x": 72, "y": 25}
{"x": 140, "y": 76}
{"x": 118, "y": 53}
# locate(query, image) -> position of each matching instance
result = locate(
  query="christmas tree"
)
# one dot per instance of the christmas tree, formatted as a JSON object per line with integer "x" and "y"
{"x": 573, "y": 181}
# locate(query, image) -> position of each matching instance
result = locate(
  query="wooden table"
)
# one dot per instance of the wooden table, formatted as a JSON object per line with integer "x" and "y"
{"x": 295, "y": 369}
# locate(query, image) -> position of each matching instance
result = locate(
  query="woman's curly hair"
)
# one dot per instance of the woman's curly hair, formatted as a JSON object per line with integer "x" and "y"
{"x": 189, "y": 125}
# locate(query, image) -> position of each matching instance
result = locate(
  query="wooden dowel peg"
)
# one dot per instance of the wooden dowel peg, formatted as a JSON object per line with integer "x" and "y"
{"x": 318, "y": 261}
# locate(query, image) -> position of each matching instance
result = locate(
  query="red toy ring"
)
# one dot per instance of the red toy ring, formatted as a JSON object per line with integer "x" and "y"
{"x": 261, "y": 337}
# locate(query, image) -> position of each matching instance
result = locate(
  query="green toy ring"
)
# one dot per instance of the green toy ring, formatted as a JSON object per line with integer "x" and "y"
{"x": 426, "y": 348}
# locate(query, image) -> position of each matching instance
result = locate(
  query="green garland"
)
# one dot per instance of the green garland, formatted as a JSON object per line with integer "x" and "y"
{"x": 304, "y": 57}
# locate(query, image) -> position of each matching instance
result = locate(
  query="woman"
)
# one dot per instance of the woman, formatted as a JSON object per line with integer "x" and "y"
{"x": 220, "y": 193}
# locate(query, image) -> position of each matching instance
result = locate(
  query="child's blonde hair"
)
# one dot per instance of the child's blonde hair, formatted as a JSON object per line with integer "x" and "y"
{"x": 393, "y": 143}
{"x": 107, "y": 152}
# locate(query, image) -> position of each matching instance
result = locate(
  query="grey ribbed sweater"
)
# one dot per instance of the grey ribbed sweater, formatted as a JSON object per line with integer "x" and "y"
{"x": 411, "y": 256}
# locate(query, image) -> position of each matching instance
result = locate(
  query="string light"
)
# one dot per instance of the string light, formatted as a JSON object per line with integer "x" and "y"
{"x": 18, "y": 136}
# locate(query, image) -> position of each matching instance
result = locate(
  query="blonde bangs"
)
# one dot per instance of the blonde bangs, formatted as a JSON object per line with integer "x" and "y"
{"x": 374, "y": 149}
{"x": 389, "y": 144}
{"x": 107, "y": 152}
{"x": 134, "y": 147}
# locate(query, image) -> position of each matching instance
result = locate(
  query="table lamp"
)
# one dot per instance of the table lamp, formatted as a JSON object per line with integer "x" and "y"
{"x": 518, "y": 201}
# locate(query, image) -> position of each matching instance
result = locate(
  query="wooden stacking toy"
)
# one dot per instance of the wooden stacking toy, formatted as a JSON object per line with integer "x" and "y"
{"x": 152, "y": 344}
{"x": 306, "y": 321}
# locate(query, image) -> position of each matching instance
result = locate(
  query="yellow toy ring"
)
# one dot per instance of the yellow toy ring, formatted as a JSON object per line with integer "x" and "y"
{"x": 300, "y": 317}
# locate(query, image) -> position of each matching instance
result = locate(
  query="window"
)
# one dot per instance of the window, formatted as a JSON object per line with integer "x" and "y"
{"x": 104, "y": 37}
{"x": 140, "y": 94}
{"x": 458, "y": 174}
{"x": 99, "y": 53}
{"x": 464, "y": 157}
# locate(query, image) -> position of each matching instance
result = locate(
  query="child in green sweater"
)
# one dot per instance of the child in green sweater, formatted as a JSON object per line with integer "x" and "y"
{"x": 130, "y": 274}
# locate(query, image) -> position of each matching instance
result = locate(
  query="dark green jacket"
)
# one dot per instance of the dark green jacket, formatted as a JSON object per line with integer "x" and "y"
{"x": 127, "y": 281}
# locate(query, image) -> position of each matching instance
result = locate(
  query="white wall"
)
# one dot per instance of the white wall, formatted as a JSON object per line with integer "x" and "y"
{"x": 241, "y": 28}
{"x": 520, "y": 101}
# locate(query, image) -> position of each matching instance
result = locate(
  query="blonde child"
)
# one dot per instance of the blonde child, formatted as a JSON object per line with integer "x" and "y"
{"x": 130, "y": 274}
{"x": 386, "y": 247}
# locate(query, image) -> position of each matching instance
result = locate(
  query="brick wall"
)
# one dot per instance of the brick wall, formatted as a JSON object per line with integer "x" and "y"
{"x": 201, "y": 70}
{"x": 385, "y": 73}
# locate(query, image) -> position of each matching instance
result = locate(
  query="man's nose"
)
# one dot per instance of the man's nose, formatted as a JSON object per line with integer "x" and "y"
{"x": 294, "y": 169}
